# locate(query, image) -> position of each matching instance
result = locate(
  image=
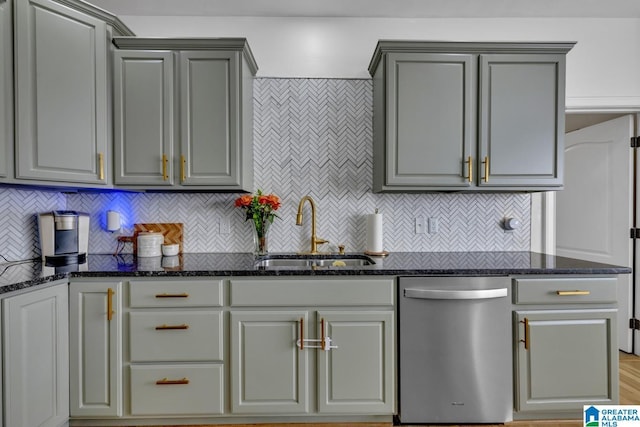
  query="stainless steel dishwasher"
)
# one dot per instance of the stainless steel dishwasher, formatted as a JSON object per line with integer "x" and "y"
{"x": 455, "y": 350}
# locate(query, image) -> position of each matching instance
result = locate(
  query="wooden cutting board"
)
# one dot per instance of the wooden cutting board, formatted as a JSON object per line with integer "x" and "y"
{"x": 172, "y": 232}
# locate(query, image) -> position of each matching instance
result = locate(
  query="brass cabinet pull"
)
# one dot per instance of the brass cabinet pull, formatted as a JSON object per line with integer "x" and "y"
{"x": 570, "y": 293}
{"x": 166, "y": 381}
{"x": 110, "y": 293}
{"x": 302, "y": 333}
{"x": 183, "y": 166}
{"x": 486, "y": 169}
{"x": 469, "y": 163}
{"x": 324, "y": 343}
{"x": 100, "y": 166}
{"x": 165, "y": 295}
{"x": 526, "y": 333}
{"x": 164, "y": 167}
{"x": 171, "y": 327}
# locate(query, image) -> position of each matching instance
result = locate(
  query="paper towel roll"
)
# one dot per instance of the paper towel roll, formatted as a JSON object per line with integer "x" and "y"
{"x": 113, "y": 220}
{"x": 374, "y": 233}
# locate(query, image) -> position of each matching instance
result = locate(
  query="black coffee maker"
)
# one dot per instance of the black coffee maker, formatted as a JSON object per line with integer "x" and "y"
{"x": 64, "y": 237}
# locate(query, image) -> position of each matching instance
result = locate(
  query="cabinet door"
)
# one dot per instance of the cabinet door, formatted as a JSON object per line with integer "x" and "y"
{"x": 61, "y": 94}
{"x": 6, "y": 88}
{"x": 521, "y": 120}
{"x": 566, "y": 359}
{"x": 95, "y": 343}
{"x": 210, "y": 120}
{"x": 358, "y": 375}
{"x": 36, "y": 358}
{"x": 143, "y": 117}
{"x": 430, "y": 119}
{"x": 269, "y": 373}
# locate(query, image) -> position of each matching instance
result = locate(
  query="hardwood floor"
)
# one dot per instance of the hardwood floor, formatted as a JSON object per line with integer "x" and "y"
{"x": 629, "y": 379}
{"x": 629, "y": 395}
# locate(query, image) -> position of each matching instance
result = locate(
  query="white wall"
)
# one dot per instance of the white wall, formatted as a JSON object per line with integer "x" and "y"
{"x": 601, "y": 69}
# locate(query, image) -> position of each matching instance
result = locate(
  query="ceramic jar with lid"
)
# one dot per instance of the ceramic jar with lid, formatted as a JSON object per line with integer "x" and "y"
{"x": 150, "y": 244}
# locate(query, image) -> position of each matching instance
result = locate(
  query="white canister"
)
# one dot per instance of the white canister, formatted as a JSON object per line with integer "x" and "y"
{"x": 170, "y": 250}
{"x": 150, "y": 244}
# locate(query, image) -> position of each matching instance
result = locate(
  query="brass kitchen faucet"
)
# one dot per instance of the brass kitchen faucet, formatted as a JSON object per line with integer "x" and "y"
{"x": 315, "y": 240}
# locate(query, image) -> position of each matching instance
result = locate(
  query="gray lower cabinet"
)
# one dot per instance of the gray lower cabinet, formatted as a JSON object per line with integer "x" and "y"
{"x": 430, "y": 97}
{"x": 312, "y": 346}
{"x": 183, "y": 113}
{"x": 36, "y": 358}
{"x": 62, "y": 109}
{"x": 269, "y": 373}
{"x": 177, "y": 390}
{"x": 176, "y": 349}
{"x": 95, "y": 325}
{"x": 355, "y": 377}
{"x": 6, "y": 89}
{"x": 566, "y": 352}
{"x": 237, "y": 348}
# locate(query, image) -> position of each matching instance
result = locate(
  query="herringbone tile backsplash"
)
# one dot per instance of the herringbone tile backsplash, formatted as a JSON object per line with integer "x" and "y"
{"x": 311, "y": 136}
{"x": 18, "y": 222}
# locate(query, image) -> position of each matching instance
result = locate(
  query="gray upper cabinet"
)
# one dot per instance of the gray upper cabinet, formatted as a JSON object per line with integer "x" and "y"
{"x": 210, "y": 119}
{"x": 521, "y": 120}
{"x": 184, "y": 113}
{"x": 6, "y": 89}
{"x": 432, "y": 126}
{"x": 62, "y": 92}
{"x": 468, "y": 116}
{"x": 143, "y": 117}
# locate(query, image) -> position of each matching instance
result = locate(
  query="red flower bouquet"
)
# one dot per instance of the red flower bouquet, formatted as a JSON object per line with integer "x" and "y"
{"x": 261, "y": 209}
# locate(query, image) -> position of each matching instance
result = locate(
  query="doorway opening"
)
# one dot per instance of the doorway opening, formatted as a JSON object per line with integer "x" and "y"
{"x": 592, "y": 217}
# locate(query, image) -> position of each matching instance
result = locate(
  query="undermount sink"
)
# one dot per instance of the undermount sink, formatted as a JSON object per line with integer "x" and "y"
{"x": 314, "y": 261}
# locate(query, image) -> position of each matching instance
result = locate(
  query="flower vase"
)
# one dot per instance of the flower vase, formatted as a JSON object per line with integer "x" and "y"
{"x": 260, "y": 238}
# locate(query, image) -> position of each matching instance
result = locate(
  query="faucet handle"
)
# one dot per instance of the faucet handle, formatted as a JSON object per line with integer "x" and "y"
{"x": 341, "y": 249}
{"x": 320, "y": 241}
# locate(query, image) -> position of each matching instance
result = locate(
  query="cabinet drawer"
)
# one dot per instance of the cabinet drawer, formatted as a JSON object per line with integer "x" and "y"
{"x": 176, "y": 336}
{"x": 177, "y": 390}
{"x": 574, "y": 290}
{"x": 314, "y": 292}
{"x": 175, "y": 293}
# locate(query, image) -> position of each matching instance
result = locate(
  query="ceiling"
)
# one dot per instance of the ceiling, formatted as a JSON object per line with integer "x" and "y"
{"x": 377, "y": 8}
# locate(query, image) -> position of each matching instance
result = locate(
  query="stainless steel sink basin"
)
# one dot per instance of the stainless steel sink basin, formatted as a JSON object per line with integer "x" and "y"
{"x": 282, "y": 262}
{"x": 313, "y": 261}
{"x": 342, "y": 262}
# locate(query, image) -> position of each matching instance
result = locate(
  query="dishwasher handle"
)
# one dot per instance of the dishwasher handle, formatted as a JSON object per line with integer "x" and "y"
{"x": 455, "y": 294}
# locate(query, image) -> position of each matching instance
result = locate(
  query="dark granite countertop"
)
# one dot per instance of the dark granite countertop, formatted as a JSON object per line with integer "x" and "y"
{"x": 16, "y": 276}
